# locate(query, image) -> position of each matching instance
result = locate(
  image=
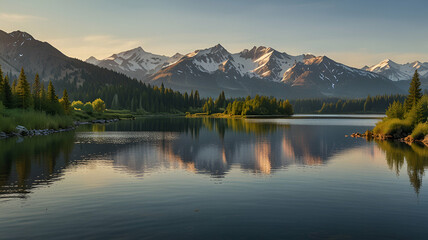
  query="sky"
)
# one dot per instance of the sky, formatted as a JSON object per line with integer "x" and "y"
{"x": 355, "y": 33}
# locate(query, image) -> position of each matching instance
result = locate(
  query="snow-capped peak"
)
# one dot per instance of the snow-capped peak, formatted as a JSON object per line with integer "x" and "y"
{"x": 265, "y": 62}
{"x": 395, "y": 71}
{"x": 135, "y": 63}
{"x": 209, "y": 59}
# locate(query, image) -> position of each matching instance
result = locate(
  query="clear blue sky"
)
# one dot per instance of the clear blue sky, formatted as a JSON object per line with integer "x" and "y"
{"x": 350, "y": 31}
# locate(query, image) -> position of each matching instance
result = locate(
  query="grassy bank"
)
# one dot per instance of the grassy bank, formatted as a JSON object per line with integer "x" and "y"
{"x": 32, "y": 119}
{"x": 79, "y": 115}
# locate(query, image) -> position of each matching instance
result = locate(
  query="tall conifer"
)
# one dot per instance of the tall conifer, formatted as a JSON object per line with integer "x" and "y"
{"x": 23, "y": 91}
{"x": 36, "y": 93}
{"x": 415, "y": 92}
{"x": 51, "y": 96}
{"x": 6, "y": 95}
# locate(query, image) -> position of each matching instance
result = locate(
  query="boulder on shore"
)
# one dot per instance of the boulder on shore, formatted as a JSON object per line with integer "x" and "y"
{"x": 21, "y": 130}
{"x": 3, "y": 135}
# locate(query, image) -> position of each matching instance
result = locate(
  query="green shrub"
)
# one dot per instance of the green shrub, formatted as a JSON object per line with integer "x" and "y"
{"x": 98, "y": 105}
{"x": 396, "y": 110}
{"x": 393, "y": 126}
{"x": 88, "y": 107}
{"x": 77, "y": 104}
{"x": 420, "y": 131}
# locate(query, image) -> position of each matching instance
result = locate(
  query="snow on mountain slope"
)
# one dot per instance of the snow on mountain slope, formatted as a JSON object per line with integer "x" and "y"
{"x": 208, "y": 60}
{"x": 265, "y": 62}
{"x": 260, "y": 62}
{"x": 397, "y": 72}
{"x": 135, "y": 63}
{"x": 330, "y": 77}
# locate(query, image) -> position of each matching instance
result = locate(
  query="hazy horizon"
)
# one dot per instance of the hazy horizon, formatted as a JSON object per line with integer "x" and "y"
{"x": 354, "y": 33}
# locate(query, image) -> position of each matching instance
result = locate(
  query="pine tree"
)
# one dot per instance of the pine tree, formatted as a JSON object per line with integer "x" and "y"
{"x": 36, "y": 93}
{"x": 368, "y": 104}
{"x": 7, "y": 97}
{"x": 65, "y": 102}
{"x": 191, "y": 99}
{"x": 51, "y": 96}
{"x": 197, "y": 99}
{"x": 14, "y": 83}
{"x": 42, "y": 95}
{"x": 415, "y": 92}
{"x": 23, "y": 91}
{"x": 220, "y": 101}
{"x": 208, "y": 106}
{"x": 186, "y": 100}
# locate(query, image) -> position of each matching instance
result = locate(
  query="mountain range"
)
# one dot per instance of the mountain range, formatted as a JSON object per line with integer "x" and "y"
{"x": 135, "y": 63}
{"x": 399, "y": 72}
{"x": 259, "y": 70}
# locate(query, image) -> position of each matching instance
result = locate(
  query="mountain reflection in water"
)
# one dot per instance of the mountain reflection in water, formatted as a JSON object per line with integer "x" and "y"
{"x": 203, "y": 146}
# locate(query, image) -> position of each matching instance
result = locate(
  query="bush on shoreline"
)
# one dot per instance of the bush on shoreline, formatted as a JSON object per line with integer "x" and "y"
{"x": 393, "y": 126}
{"x": 420, "y": 131}
{"x": 409, "y": 118}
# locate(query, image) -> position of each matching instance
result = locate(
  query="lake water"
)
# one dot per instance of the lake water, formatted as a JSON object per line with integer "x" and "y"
{"x": 177, "y": 178}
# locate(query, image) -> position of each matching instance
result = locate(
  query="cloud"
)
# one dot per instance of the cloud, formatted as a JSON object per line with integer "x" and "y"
{"x": 12, "y": 17}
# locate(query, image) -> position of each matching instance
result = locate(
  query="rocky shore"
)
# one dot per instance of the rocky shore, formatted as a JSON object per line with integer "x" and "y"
{"x": 399, "y": 137}
{"x": 22, "y": 131}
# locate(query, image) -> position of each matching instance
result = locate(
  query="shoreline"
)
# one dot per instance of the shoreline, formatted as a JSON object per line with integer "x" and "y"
{"x": 22, "y": 131}
{"x": 295, "y": 116}
{"x": 402, "y": 138}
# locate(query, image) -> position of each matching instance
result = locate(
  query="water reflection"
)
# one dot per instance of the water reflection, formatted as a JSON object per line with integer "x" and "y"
{"x": 415, "y": 157}
{"x": 33, "y": 161}
{"x": 202, "y": 146}
{"x": 213, "y": 146}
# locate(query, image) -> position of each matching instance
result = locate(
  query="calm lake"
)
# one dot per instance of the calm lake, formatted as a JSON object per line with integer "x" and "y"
{"x": 178, "y": 178}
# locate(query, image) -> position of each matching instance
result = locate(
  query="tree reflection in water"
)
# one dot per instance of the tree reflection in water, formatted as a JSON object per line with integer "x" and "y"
{"x": 415, "y": 156}
{"x": 35, "y": 160}
{"x": 205, "y": 146}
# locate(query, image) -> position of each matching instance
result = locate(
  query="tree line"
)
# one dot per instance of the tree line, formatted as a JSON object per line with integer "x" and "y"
{"x": 375, "y": 104}
{"x": 131, "y": 95}
{"x": 21, "y": 95}
{"x": 137, "y": 96}
{"x": 260, "y": 105}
